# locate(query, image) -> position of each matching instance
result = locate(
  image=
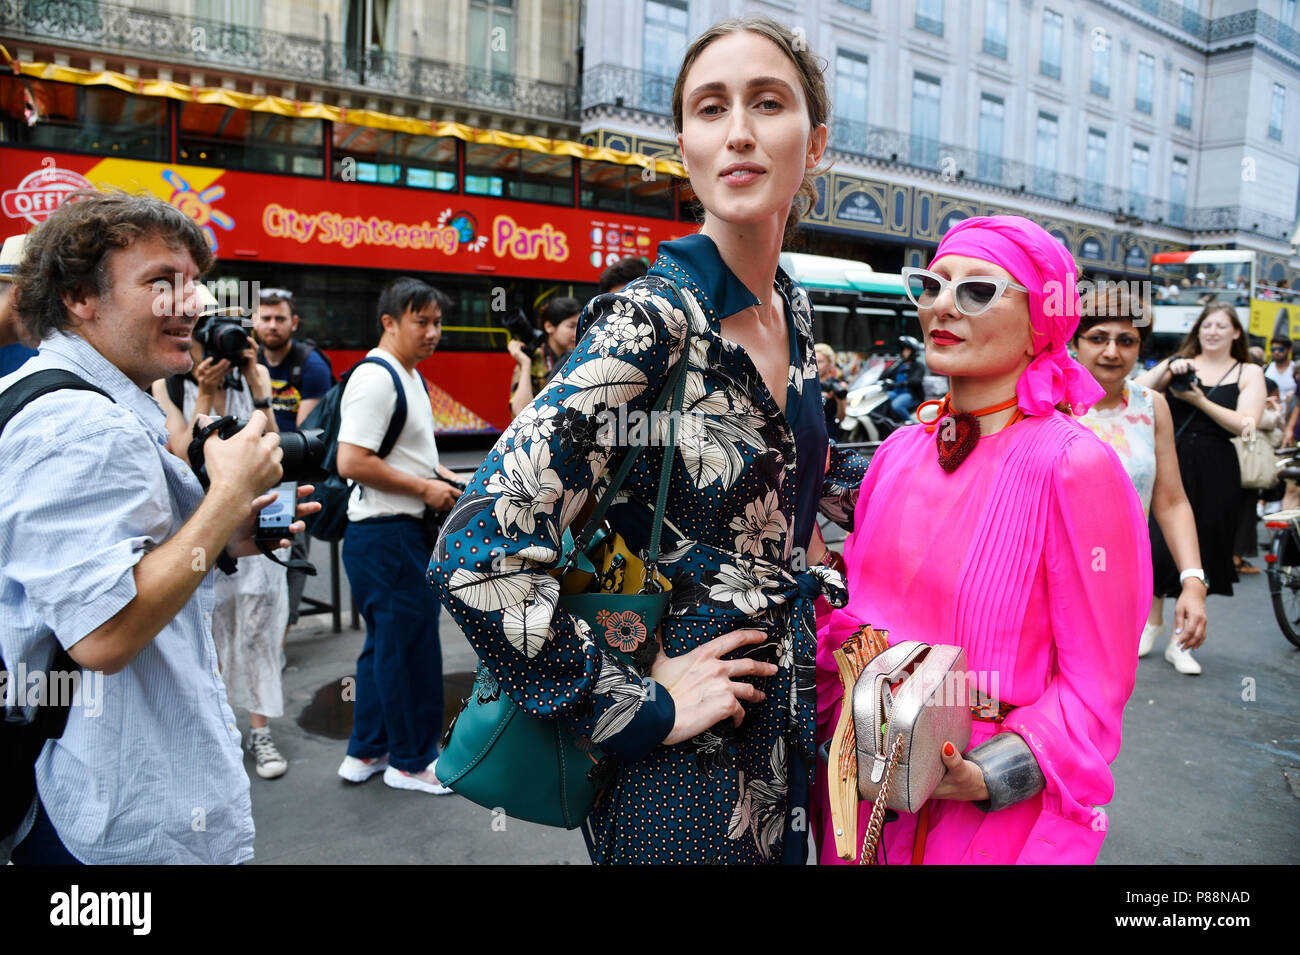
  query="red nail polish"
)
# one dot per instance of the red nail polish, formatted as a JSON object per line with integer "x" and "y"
{"x": 949, "y": 749}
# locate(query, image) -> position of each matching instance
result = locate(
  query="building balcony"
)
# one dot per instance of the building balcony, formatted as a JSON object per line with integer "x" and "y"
{"x": 1098, "y": 88}
{"x": 201, "y": 44}
{"x": 995, "y": 48}
{"x": 1143, "y": 106}
{"x": 625, "y": 88}
{"x": 1052, "y": 70}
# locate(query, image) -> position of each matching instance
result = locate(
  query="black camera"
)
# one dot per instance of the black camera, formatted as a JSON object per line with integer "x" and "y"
{"x": 1184, "y": 382}
{"x": 222, "y": 338}
{"x": 304, "y": 451}
{"x": 521, "y": 329}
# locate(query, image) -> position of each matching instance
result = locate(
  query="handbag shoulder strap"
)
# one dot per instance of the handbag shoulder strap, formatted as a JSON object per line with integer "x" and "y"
{"x": 675, "y": 388}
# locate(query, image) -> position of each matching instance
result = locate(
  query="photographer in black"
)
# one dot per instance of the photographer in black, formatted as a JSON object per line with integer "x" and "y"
{"x": 538, "y": 353}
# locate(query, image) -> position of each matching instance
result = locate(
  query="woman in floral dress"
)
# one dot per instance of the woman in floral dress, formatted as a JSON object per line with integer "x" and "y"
{"x": 710, "y": 744}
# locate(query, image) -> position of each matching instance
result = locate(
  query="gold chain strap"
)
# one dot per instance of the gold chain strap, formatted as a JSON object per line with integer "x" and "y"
{"x": 877, "y": 820}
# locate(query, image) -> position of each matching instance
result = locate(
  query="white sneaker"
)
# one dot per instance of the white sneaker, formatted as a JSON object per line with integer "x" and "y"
{"x": 270, "y": 764}
{"x": 356, "y": 770}
{"x": 1182, "y": 660}
{"x": 1149, "y": 634}
{"x": 425, "y": 782}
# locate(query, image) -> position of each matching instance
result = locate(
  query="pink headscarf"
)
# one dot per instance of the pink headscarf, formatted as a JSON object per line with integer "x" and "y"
{"x": 1044, "y": 266}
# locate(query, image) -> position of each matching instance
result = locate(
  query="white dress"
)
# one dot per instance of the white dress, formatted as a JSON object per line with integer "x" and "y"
{"x": 251, "y": 608}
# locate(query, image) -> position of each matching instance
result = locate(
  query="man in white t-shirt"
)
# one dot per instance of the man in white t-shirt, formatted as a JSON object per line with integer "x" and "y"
{"x": 1282, "y": 371}
{"x": 398, "y": 709}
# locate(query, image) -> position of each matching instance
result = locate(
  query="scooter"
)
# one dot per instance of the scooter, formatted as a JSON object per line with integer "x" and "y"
{"x": 868, "y": 416}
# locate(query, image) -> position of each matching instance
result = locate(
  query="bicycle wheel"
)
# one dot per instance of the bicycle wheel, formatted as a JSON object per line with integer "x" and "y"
{"x": 1284, "y": 584}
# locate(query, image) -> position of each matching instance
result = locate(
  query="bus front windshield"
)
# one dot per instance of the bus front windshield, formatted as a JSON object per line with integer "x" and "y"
{"x": 1201, "y": 283}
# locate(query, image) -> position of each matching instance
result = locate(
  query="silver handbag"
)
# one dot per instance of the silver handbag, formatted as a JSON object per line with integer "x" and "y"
{"x": 908, "y": 702}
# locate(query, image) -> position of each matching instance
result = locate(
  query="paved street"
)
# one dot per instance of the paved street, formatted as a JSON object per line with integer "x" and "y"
{"x": 1201, "y": 777}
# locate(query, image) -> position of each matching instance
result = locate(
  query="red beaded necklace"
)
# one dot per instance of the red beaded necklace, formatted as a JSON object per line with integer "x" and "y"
{"x": 957, "y": 441}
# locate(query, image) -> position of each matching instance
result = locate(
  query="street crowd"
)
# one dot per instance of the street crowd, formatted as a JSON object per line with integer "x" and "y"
{"x": 1035, "y": 518}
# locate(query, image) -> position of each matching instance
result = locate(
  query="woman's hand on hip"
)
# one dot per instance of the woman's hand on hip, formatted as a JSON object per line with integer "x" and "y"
{"x": 963, "y": 781}
{"x": 703, "y": 685}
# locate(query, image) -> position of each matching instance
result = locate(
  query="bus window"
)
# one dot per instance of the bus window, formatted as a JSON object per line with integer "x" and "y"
{"x": 616, "y": 188}
{"x": 85, "y": 119}
{"x": 389, "y": 158}
{"x": 214, "y": 135}
{"x": 515, "y": 174}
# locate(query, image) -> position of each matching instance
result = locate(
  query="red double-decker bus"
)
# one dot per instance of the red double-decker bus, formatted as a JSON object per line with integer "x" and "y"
{"x": 333, "y": 210}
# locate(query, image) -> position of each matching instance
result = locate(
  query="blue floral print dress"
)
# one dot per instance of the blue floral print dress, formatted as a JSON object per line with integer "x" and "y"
{"x": 746, "y": 485}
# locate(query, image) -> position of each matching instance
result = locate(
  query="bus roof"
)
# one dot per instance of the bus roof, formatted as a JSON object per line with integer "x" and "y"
{"x": 839, "y": 275}
{"x": 1203, "y": 255}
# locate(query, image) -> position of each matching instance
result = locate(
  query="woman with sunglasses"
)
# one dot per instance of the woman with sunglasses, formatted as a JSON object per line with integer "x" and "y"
{"x": 1135, "y": 421}
{"x": 1005, "y": 527}
{"x": 1218, "y": 392}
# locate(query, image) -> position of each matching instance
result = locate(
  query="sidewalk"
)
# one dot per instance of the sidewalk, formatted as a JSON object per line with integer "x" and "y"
{"x": 311, "y": 816}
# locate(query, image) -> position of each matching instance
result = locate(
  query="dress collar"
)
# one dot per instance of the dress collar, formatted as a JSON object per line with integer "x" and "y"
{"x": 696, "y": 258}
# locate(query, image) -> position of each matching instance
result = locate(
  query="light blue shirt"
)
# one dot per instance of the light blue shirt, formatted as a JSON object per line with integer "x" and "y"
{"x": 87, "y": 487}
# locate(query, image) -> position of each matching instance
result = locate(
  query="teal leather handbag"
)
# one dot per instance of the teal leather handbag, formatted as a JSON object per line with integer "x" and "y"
{"x": 535, "y": 768}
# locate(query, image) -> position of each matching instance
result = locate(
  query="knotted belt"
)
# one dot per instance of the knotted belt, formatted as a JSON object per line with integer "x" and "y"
{"x": 777, "y": 586}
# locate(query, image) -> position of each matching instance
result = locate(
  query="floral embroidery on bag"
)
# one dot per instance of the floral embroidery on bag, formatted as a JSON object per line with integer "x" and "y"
{"x": 624, "y": 631}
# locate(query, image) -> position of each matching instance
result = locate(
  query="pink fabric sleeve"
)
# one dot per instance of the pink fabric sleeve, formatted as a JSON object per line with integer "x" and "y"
{"x": 1098, "y": 563}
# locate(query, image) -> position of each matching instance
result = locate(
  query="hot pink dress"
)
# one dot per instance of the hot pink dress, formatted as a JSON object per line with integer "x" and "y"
{"x": 1033, "y": 555}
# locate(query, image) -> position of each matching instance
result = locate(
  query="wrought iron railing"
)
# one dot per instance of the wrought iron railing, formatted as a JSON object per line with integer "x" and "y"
{"x": 198, "y": 42}
{"x": 1098, "y": 88}
{"x": 959, "y": 164}
{"x": 994, "y": 48}
{"x": 929, "y": 24}
{"x": 1050, "y": 69}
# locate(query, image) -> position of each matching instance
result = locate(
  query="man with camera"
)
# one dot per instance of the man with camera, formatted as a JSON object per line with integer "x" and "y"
{"x": 538, "y": 353}
{"x": 107, "y": 543}
{"x": 252, "y": 607}
{"x": 397, "y": 716}
{"x": 300, "y": 376}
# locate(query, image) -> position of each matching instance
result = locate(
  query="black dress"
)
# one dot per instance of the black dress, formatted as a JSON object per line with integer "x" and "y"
{"x": 1212, "y": 480}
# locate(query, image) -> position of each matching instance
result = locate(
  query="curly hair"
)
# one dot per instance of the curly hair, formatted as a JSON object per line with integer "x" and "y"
{"x": 67, "y": 254}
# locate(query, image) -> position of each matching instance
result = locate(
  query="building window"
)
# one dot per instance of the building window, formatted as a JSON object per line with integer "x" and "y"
{"x": 491, "y": 35}
{"x": 1138, "y": 175}
{"x": 1101, "y": 65}
{"x": 662, "y": 49}
{"x": 1178, "y": 192}
{"x": 929, "y": 16}
{"x": 1185, "y": 81}
{"x": 850, "y": 125}
{"x": 995, "y": 28}
{"x": 925, "y": 120}
{"x": 1096, "y": 177}
{"x": 1053, "y": 26}
{"x": 518, "y": 174}
{"x": 863, "y": 5}
{"x": 1275, "y": 114}
{"x": 1146, "y": 82}
{"x": 215, "y": 135}
{"x": 236, "y": 13}
{"x": 1045, "y": 155}
{"x": 366, "y": 154}
{"x": 992, "y": 114}
{"x": 1288, "y": 13}
{"x": 370, "y": 36}
{"x": 82, "y": 119}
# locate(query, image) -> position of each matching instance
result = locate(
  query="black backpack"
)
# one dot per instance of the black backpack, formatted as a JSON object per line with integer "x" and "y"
{"x": 21, "y": 743}
{"x": 333, "y": 491}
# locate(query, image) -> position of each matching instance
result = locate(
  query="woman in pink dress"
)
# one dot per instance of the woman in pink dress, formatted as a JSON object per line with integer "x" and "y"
{"x": 1007, "y": 528}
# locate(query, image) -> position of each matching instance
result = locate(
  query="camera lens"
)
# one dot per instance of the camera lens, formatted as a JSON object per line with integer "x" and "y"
{"x": 304, "y": 455}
